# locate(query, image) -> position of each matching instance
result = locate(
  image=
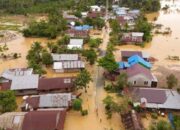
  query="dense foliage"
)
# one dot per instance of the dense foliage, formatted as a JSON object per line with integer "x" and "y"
{"x": 161, "y": 125}
{"x": 77, "y": 104}
{"x": 90, "y": 55}
{"x": 37, "y": 56}
{"x": 177, "y": 122}
{"x": 50, "y": 28}
{"x": 82, "y": 80}
{"x": 172, "y": 81}
{"x": 7, "y": 102}
{"x": 145, "y": 5}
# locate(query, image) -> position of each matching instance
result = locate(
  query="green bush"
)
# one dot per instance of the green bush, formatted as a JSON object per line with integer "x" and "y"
{"x": 84, "y": 112}
{"x": 154, "y": 115}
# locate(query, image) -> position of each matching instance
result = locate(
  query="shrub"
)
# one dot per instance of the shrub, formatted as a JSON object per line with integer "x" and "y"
{"x": 84, "y": 112}
{"x": 154, "y": 115}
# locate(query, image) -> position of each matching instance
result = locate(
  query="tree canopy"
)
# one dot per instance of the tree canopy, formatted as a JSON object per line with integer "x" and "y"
{"x": 77, "y": 104}
{"x": 161, "y": 125}
{"x": 82, "y": 80}
{"x": 8, "y": 101}
{"x": 172, "y": 81}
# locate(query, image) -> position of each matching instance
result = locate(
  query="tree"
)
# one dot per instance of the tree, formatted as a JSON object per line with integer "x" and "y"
{"x": 82, "y": 80}
{"x": 161, "y": 125}
{"x": 116, "y": 28}
{"x": 77, "y": 104}
{"x": 172, "y": 81}
{"x": 94, "y": 43}
{"x": 122, "y": 81}
{"x": 110, "y": 106}
{"x": 90, "y": 55}
{"x": 47, "y": 58}
{"x": 108, "y": 62}
{"x": 8, "y": 101}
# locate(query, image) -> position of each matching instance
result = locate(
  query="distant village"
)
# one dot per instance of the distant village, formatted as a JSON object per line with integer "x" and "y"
{"x": 85, "y": 61}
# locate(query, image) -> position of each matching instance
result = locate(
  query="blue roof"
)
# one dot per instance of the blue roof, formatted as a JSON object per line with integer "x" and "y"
{"x": 123, "y": 65}
{"x": 83, "y": 27}
{"x": 137, "y": 59}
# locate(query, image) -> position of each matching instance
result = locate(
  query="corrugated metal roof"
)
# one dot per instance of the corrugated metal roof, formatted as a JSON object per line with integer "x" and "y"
{"x": 69, "y": 65}
{"x": 55, "y": 100}
{"x": 25, "y": 82}
{"x": 76, "y": 42}
{"x": 64, "y": 57}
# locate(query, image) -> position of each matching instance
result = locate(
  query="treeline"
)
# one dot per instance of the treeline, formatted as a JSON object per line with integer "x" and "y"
{"x": 43, "y": 6}
{"x": 145, "y": 5}
{"x": 50, "y": 28}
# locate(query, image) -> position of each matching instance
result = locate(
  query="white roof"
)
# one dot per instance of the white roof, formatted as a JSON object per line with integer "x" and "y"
{"x": 10, "y": 73}
{"x": 64, "y": 57}
{"x": 137, "y": 34}
{"x": 74, "y": 47}
{"x": 76, "y": 42}
{"x": 25, "y": 82}
{"x": 68, "y": 65}
{"x": 55, "y": 100}
{"x": 145, "y": 55}
{"x": 95, "y": 6}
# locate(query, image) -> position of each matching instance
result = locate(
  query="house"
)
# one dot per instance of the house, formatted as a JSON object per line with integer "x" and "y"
{"x": 34, "y": 120}
{"x": 131, "y": 121}
{"x": 84, "y": 14}
{"x": 77, "y": 33}
{"x": 67, "y": 63}
{"x": 68, "y": 66}
{"x": 140, "y": 76}
{"x": 8, "y": 75}
{"x": 32, "y": 85}
{"x": 83, "y": 27}
{"x": 46, "y": 101}
{"x": 156, "y": 98}
{"x": 75, "y": 44}
{"x": 132, "y": 37}
{"x": 127, "y": 54}
{"x": 95, "y": 8}
{"x": 134, "y": 13}
{"x": 12, "y": 120}
{"x": 135, "y": 59}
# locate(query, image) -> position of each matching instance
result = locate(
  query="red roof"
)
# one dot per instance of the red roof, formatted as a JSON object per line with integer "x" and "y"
{"x": 77, "y": 33}
{"x": 139, "y": 69}
{"x": 55, "y": 83}
{"x": 5, "y": 86}
{"x": 130, "y": 53}
{"x": 33, "y": 102}
{"x": 44, "y": 120}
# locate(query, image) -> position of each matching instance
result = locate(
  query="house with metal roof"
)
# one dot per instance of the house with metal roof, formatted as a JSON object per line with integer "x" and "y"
{"x": 140, "y": 76}
{"x": 75, "y": 44}
{"x": 77, "y": 33}
{"x": 8, "y": 74}
{"x": 44, "y": 120}
{"x": 135, "y": 59}
{"x": 156, "y": 98}
{"x": 46, "y": 101}
{"x": 132, "y": 37}
{"x": 83, "y": 27}
{"x": 95, "y": 8}
{"x": 64, "y": 57}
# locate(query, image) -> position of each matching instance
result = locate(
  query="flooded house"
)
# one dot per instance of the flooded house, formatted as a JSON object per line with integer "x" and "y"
{"x": 128, "y": 21}
{"x": 156, "y": 98}
{"x": 139, "y": 76}
{"x": 131, "y": 121}
{"x": 34, "y": 120}
{"x": 75, "y": 44}
{"x": 8, "y": 74}
{"x": 127, "y": 54}
{"x": 67, "y": 63}
{"x": 77, "y": 33}
{"x": 132, "y": 37}
{"x": 48, "y": 101}
{"x": 29, "y": 85}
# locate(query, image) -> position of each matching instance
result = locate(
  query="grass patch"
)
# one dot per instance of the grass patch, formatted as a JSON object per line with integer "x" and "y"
{"x": 10, "y": 27}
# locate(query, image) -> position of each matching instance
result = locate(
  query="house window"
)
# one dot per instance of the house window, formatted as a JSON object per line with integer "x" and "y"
{"x": 145, "y": 82}
{"x": 67, "y": 80}
{"x": 134, "y": 82}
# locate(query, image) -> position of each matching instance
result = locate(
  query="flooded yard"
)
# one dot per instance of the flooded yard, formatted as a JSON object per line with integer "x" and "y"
{"x": 163, "y": 46}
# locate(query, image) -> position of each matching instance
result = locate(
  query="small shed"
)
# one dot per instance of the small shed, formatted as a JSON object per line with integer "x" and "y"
{"x": 75, "y": 44}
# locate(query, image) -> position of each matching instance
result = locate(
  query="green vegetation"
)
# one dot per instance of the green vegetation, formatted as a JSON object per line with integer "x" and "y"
{"x": 94, "y": 43}
{"x": 82, "y": 80}
{"x": 154, "y": 115}
{"x": 9, "y": 27}
{"x": 90, "y": 55}
{"x": 84, "y": 112}
{"x": 77, "y": 104}
{"x": 177, "y": 122}
{"x": 50, "y": 28}
{"x": 172, "y": 81}
{"x": 145, "y": 5}
{"x": 95, "y": 22}
{"x": 122, "y": 81}
{"x": 142, "y": 25}
{"x": 161, "y": 125}
{"x": 110, "y": 106}
{"x": 37, "y": 56}
{"x": 108, "y": 62}
{"x": 7, "y": 102}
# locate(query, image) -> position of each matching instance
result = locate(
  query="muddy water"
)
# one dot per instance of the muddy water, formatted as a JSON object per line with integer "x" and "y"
{"x": 163, "y": 46}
